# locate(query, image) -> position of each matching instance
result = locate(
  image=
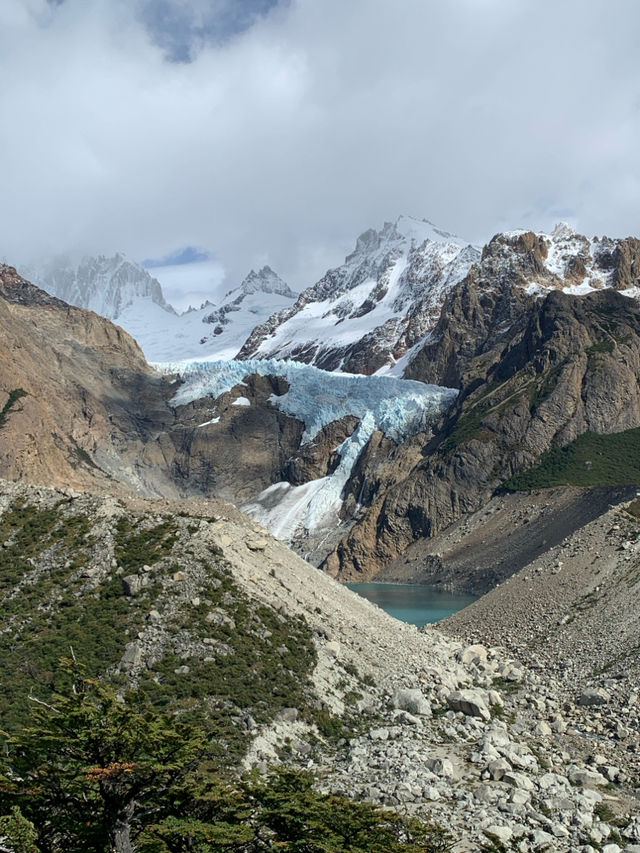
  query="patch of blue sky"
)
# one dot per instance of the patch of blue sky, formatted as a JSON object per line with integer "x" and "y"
{"x": 187, "y": 255}
{"x": 182, "y": 29}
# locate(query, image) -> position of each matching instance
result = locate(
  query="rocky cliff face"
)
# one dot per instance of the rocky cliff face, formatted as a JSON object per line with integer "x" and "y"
{"x": 534, "y": 374}
{"x": 78, "y": 376}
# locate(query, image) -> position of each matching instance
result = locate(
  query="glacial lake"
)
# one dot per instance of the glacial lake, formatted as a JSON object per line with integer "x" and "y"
{"x": 411, "y": 602}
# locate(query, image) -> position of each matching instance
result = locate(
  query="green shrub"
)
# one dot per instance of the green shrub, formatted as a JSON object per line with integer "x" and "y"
{"x": 99, "y": 773}
{"x": 614, "y": 461}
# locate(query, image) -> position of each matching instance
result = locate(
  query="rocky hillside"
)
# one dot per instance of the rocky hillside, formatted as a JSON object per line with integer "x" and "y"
{"x": 535, "y": 372}
{"x": 82, "y": 408}
{"x": 71, "y": 382}
{"x": 202, "y": 608}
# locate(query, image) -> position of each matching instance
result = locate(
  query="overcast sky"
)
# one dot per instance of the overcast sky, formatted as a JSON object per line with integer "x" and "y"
{"x": 260, "y": 131}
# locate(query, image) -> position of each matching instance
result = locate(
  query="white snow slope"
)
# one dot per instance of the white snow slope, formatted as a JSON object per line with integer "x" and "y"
{"x": 123, "y": 291}
{"x": 214, "y": 332}
{"x": 396, "y": 406}
{"x": 385, "y": 298}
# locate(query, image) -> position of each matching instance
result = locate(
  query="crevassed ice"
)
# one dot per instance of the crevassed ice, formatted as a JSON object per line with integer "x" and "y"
{"x": 399, "y": 407}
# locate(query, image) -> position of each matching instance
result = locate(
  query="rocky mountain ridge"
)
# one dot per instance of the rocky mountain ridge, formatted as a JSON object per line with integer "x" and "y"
{"x": 263, "y": 281}
{"x": 368, "y": 313}
{"x": 534, "y": 372}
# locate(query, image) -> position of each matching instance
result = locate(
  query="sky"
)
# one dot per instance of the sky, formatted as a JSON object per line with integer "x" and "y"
{"x": 228, "y": 134}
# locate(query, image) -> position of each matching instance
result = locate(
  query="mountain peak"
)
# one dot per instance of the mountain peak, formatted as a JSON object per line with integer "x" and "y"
{"x": 405, "y": 229}
{"x": 563, "y": 230}
{"x": 420, "y": 230}
{"x": 106, "y": 285}
{"x": 263, "y": 281}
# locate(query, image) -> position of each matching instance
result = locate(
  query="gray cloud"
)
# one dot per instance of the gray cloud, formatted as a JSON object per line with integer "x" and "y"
{"x": 282, "y": 143}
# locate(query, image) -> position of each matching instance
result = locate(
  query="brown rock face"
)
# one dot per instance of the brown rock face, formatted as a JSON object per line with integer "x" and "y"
{"x": 566, "y": 365}
{"x": 319, "y": 457}
{"x": 626, "y": 263}
{"x": 79, "y": 373}
{"x": 229, "y": 450}
{"x": 80, "y": 408}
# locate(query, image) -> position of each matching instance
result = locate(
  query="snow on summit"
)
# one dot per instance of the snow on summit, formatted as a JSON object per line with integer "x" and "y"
{"x": 107, "y": 285}
{"x": 365, "y": 315}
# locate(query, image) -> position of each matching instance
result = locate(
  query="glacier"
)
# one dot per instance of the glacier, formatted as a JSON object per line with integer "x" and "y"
{"x": 398, "y": 407}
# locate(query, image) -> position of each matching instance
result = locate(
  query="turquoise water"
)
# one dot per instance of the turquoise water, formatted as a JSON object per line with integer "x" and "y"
{"x": 412, "y": 603}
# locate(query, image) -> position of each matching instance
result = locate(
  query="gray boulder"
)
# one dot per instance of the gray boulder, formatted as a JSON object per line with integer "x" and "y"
{"x": 471, "y": 702}
{"x": 411, "y": 700}
{"x": 594, "y": 696}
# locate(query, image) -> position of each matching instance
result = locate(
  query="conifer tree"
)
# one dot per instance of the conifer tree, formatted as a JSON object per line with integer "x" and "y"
{"x": 91, "y": 769}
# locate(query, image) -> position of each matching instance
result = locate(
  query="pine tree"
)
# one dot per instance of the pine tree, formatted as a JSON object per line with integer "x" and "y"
{"x": 91, "y": 768}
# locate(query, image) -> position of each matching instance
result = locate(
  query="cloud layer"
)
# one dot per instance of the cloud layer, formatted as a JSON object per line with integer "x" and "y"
{"x": 296, "y": 127}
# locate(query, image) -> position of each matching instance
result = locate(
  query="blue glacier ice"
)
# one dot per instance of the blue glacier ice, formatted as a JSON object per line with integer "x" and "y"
{"x": 399, "y": 407}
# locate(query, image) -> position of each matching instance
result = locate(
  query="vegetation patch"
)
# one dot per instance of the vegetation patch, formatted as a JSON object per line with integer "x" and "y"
{"x": 26, "y": 531}
{"x": 469, "y": 424}
{"x": 591, "y": 460}
{"x": 633, "y": 509}
{"x": 606, "y": 346}
{"x": 219, "y": 659}
{"x": 137, "y": 548}
{"x": 47, "y": 612}
{"x": 13, "y": 398}
{"x": 92, "y": 627}
{"x": 543, "y": 388}
{"x": 94, "y": 772}
{"x": 246, "y": 659}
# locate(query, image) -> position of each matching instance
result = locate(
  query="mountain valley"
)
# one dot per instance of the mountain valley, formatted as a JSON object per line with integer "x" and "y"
{"x": 431, "y": 412}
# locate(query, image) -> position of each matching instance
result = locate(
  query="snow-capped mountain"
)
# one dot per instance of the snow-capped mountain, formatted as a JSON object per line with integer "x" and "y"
{"x": 243, "y": 308}
{"x": 367, "y": 314}
{"x": 123, "y": 291}
{"x": 108, "y": 286}
{"x": 263, "y": 281}
{"x": 213, "y": 332}
{"x": 376, "y": 311}
{"x": 565, "y": 260}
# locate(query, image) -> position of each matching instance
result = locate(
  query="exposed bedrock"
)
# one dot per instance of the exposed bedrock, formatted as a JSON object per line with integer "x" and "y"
{"x": 566, "y": 365}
